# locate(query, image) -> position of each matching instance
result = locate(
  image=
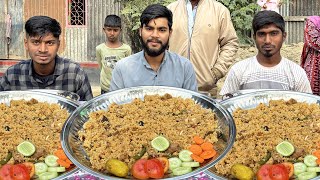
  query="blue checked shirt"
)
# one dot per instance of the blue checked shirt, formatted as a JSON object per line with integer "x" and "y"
{"x": 67, "y": 76}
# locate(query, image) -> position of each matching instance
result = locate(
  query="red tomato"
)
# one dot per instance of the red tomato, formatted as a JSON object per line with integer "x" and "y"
{"x": 279, "y": 172}
{"x": 138, "y": 171}
{"x": 165, "y": 163}
{"x": 289, "y": 167}
{"x": 5, "y": 172}
{"x": 263, "y": 173}
{"x": 154, "y": 168}
{"x": 30, "y": 167}
{"x": 19, "y": 172}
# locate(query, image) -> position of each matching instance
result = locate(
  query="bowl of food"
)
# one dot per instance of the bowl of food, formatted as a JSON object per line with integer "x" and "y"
{"x": 275, "y": 129}
{"x": 150, "y": 127}
{"x": 31, "y": 123}
{"x": 67, "y": 94}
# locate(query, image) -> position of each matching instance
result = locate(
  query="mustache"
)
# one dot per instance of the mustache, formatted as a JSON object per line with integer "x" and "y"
{"x": 154, "y": 40}
{"x": 268, "y": 46}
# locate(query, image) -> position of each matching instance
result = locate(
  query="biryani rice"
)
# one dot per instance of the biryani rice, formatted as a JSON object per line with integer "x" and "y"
{"x": 37, "y": 122}
{"x": 122, "y": 130}
{"x": 259, "y": 130}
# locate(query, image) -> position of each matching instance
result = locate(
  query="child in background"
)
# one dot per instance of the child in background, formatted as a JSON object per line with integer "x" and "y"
{"x": 272, "y": 5}
{"x": 111, "y": 51}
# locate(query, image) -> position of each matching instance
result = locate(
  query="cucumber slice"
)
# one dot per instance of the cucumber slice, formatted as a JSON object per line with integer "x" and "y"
{"x": 285, "y": 148}
{"x": 307, "y": 175}
{"x": 51, "y": 160}
{"x": 56, "y": 169}
{"x": 160, "y": 143}
{"x": 40, "y": 167}
{"x": 190, "y": 164}
{"x": 174, "y": 163}
{"x": 48, "y": 175}
{"x": 181, "y": 170}
{"x": 26, "y": 148}
{"x": 310, "y": 160}
{"x": 313, "y": 169}
{"x": 299, "y": 168}
{"x": 185, "y": 155}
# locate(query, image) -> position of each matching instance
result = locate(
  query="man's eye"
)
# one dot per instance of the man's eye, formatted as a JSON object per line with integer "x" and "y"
{"x": 274, "y": 33}
{"x": 36, "y": 42}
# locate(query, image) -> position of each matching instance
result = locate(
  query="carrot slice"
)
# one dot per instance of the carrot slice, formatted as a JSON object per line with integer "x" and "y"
{"x": 206, "y": 146}
{"x": 60, "y": 154}
{"x": 208, "y": 154}
{"x": 195, "y": 149}
{"x": 197, "y": 158}
{"x": 198, "y": 140}
{"x": 318, "y": 161}
{"x": 316, "y": 153}
{"x": 63, "y": 163}
{"x": 68, "y": 161}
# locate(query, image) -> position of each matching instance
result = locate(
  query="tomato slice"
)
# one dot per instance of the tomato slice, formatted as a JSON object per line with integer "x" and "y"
{"x": 154, "y": 169}
{"x": 165, "y": 163}
{"x": 30, "y": 167}
{"x": 263, "y": 173}
{"x": 289, "y": 167}
{"x": 19, "y": 172}
{"x": 5, "y": 172}
{"x": 279, "y": 172}
{"x": 138, "y": 171}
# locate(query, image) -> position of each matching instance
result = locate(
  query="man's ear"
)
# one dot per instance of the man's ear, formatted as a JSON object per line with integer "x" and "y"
{"x": 140, "y": 29}
{"x": 284, "y": 36}
{"x": 25, "y": 43}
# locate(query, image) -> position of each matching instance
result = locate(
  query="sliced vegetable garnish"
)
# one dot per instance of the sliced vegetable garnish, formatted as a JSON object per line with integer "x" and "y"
{"x": 51, "y": 160}
{"x": 40, "y": 167}
{"x": 307, "y": 175}
{"x": 181, "y": 170}
{"x": 310, "y": 160}
{"x": 299, "y": 168}
{"x": 174, "y": 162}
{"x": 48, "y": 175}
{"x": 285, "y": 148}
{"x": 26, "y": 148}
{"x": 190, "y": 164}
{"x": 185, "y": 155}
{"x": 56, "y": 169}
{"x": 313, "y": 169}
{"x": 197, "y": 158}
{"x": 160, "y": 143}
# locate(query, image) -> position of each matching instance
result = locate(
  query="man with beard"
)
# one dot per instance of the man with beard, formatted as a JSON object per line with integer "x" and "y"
{"x": 155, "y": 65}
{"x": 111, "y": 51}
{"x": 268, "y": 69}
{"x": 45, "y": 69}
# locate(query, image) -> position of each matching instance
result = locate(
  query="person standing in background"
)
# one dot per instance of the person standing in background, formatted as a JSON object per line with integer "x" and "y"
{"x": 310, "y": 57}
{"x": 203, "y": 32}
{"x": 111, "y": 51}
{"x": 272, "y": 5}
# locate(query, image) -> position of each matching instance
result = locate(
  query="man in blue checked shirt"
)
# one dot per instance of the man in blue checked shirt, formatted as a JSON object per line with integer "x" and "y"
{"x": 45, "y": 69}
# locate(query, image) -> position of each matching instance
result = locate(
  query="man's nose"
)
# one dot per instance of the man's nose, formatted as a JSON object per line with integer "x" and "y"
{"x": 43, "y": 47}
{"x": 155, "y": 33}
{"x": 268, "y": 38}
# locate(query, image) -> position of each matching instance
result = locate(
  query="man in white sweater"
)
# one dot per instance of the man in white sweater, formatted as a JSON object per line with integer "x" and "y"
{"x": 268, "y": 69}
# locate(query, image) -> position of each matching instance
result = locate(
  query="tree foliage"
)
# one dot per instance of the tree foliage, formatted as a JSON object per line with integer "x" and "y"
{"x": 241, "y": 14}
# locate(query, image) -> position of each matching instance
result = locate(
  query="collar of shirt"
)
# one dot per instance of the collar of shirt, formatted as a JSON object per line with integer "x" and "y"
{"x": 147, "y": 65}
{"x": 191, "y": 16}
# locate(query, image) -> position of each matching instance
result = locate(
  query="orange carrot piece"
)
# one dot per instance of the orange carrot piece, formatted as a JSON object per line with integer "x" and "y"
{"x": 63, "y": 163}
{"x": 198, "y": 140}
{"x": 60, "y": 154}
{"x": 318, "y": 161}
{"x": 68, "y": 161}
{"x": 197, "y": 158}
{"x": 206, "y": 146}
{"x": 317, "y": 153}
{"x": 195, "y": 149}
{"x": 208, "y": 154}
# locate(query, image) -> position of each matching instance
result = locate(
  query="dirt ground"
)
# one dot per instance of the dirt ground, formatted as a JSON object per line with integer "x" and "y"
{"x": 290, "y": 51}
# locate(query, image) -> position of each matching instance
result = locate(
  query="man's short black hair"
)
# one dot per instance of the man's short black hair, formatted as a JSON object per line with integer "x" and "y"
{"x": 41, "y": 26}
{"x": 263, "y": 18}
{"x": 155, "y": 11}
{"x": 112, "y": 21}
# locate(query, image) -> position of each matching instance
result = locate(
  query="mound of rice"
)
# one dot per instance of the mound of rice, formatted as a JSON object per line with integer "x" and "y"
{"x": 123, "y": 130}
{"x": 37, "y": 122}
{"x": 261, "y": 129}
